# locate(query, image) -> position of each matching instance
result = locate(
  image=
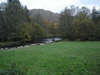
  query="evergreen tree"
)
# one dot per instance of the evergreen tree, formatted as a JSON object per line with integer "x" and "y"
{"x": 96, "y": 20}
{"x": 65, "y": 25}
{"x": 16, "y": 16}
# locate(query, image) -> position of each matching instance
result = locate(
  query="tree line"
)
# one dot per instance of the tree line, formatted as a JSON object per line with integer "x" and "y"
{"x": 16, "y": 24}
{"x": 80, "y": 24}
{"x": 17, "y": 27}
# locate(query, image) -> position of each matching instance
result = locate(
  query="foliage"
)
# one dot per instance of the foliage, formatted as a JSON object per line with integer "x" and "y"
{"x": 75, "y": 23}
{"x": 80, "y": 24}
{"x": 65, "y": 23}
{"x": 83, "y": 28}
{"x": 38, "y": 32}
{"x": 16, "y": 24}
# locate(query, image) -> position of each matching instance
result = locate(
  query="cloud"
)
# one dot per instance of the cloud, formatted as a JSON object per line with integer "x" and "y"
{"x": 58, "y": 5}
{"x": 53, "y": 5}
{"x": 2, "y": 1}
{"x": 89, "y": 3}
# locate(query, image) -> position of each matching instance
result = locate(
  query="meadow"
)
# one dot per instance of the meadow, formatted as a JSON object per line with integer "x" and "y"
{"x": 59, "y": 58}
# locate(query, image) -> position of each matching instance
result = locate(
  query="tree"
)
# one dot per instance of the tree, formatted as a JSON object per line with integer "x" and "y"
{"x": 96, "y": 19}
{"x": 83, "y": 28}
{"x": 65, "y": 25}
{"x": 3, "y": 23}
{"x": 77, "y": 24}
{"x": 16, "y": 15}
{"x": 54, "y": 30}
{"x": 38, "y": 32}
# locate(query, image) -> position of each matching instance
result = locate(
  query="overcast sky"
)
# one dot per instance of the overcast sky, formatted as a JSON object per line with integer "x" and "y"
{"x": 58, "y": 5}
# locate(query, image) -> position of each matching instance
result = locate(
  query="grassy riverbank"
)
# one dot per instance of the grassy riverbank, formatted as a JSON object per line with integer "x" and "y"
{"x": 61, "y": 58}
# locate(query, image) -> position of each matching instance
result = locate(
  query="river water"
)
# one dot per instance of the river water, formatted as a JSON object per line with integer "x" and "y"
{"x": 50, "y": 40}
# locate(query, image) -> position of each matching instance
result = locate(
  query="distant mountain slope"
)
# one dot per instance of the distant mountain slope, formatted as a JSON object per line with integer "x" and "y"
{"x": 46, "y": 15}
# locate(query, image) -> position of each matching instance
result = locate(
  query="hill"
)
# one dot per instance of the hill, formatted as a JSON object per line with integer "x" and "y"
{"x": 45, "y": 14}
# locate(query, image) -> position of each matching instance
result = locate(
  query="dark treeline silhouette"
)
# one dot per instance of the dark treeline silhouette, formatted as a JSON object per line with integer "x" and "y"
{"x": 17, "y": 27}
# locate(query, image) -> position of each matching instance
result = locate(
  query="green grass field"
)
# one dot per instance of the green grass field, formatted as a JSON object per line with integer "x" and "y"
{"x": 62, "y": 58}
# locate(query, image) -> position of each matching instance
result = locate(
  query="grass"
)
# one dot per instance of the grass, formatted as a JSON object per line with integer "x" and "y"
{"x": 62, "y": 58}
